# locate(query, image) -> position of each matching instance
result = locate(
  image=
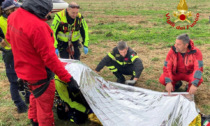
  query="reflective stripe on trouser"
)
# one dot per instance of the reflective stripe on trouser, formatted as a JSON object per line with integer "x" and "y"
{"x": 40, "y": 109}
{"x": 115, "y": 67}
{"x": 179, "y": 77}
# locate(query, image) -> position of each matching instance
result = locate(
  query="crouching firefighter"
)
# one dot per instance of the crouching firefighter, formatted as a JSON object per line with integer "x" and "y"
{"x": 71, "y": 104}
{"x": 68, "y": 26}
{"x": 122, "y": 60}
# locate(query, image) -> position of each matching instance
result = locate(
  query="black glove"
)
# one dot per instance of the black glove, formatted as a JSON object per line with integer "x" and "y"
{"x": 73, "y": 85}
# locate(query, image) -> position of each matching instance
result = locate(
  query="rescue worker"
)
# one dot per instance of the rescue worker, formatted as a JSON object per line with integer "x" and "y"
{"x": 122, "y": 60}
{"x": 32, "y": 42}
{"x": 184, "y": 62}
{"x": 72, "y": 105}
{"x": 8, "y": 7}
{"x": 68, "y": 26}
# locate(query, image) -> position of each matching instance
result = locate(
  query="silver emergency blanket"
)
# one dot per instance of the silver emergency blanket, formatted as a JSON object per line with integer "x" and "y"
{"x": 123, "y": 105}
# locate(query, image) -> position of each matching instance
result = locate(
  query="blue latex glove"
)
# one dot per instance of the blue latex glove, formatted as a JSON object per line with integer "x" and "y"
{"x": 85, "y": 49}
{"x": 56, "y": 52}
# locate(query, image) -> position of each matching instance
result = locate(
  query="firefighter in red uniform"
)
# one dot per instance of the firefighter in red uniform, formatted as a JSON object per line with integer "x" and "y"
{"x": 32, "y": 42}
{"x": 184, "y": 62}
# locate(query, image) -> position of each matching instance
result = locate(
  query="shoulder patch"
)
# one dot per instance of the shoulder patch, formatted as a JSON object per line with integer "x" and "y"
{"x": 132, "y": 55}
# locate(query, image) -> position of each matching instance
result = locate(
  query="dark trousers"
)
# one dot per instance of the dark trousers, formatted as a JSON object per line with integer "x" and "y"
{"x": 119, "y": 70}
{"x": 63, "y": 50}
{"x": 14, "y": 88}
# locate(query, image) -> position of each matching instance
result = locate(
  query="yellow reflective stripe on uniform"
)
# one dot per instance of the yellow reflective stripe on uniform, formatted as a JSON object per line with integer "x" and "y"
{"x": 133, "y": 58}
{"x": 71, "y": 120}
{"x": 63, "y": 35}
{"x": 111, "y": 56}
{"x": 75, "y": 36}
{"x": 121, "y": 63}
{"x": 134, "y": 73}
{"x": 111, "y": 67}
{"x": 113, "y": 70}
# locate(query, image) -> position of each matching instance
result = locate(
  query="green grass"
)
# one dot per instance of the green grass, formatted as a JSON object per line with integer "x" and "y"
{"x": 206, "y": 108}
{"x": 155, "y": 59}
{"x": 150, "y": 82}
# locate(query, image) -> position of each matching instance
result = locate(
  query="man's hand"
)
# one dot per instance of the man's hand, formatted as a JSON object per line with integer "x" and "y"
{"x": 193, "y": 89}
{"x": 85, "y": 49}
{"x": 3, "y": 43}
{"x": 169, "y": 88}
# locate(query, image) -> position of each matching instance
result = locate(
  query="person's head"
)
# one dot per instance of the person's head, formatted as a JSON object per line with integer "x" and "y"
{"x": 122, "y": 48}
{"x": 182, "y": 43}
{"x": 40, "y": 8}
{"x": 9, "y": 6}
{"x": 73, "y": 10}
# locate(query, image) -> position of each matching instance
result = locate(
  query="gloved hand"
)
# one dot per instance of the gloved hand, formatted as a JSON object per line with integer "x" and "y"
{"x": 85, "y": 49}
{"x": 73, "y": 85}
{"x": 56, "y": 52}
{"x": 130, "y": 82}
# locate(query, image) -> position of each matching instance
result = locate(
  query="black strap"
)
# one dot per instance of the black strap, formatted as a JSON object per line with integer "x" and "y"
{"x": 40, "y": 82}
{"x": 46, "y": 82}
{"x": 39, "y": 91}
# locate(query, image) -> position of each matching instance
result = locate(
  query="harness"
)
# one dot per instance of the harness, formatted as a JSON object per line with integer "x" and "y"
{"x": 23, "y": 84}
{"x": 65, "y": 27}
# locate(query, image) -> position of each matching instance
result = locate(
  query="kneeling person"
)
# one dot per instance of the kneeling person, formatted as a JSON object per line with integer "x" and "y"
{"x": 122, "y": 60}
{"x": 71, "y": 105}
{"x": 184, "y": 62}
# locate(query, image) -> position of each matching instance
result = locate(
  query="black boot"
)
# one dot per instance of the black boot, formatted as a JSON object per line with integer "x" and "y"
{"x": 120, "y": 77}
{"x": 34, "y": 123}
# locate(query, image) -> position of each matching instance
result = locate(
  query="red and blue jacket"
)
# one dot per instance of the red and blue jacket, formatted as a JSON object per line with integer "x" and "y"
{"x": 192, "y": 63}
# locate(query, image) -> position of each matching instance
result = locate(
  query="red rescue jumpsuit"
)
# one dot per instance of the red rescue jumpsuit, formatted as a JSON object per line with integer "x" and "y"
{"x": 188, "y": 67}
{"x": 32, "y": 45}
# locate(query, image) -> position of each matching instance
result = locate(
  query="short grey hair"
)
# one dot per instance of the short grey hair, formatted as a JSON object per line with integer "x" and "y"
{"x": 122, "y": 45}
{"x": 184, "y": 37}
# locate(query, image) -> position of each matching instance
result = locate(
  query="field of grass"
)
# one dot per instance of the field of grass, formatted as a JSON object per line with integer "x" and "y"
{"x": 143, "y": 24}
